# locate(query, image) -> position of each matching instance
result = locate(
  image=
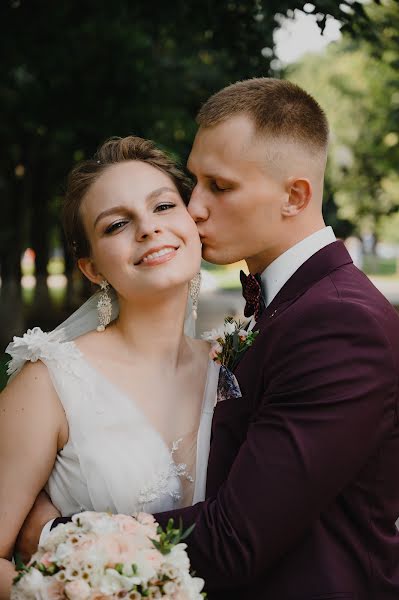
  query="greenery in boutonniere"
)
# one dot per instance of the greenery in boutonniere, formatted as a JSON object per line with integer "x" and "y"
{"x": 229, "y": 342}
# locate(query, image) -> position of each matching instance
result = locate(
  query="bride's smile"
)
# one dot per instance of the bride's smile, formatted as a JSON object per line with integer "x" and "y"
{"x": 157, "y": 256}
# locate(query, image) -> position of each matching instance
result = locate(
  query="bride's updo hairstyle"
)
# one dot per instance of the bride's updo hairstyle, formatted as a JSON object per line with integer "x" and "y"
{"x": 85, "y": 173}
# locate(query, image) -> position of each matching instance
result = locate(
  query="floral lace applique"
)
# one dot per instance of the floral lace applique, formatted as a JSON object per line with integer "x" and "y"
{"x": 159, "y": 487}
{"x": 36, "y": 344}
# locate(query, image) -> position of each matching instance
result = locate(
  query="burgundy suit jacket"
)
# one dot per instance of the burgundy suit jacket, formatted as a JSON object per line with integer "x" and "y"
{"x": 303, "y": 473}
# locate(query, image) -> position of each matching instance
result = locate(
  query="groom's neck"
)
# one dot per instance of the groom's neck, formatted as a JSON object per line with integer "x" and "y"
{"x": 289, "y": 238}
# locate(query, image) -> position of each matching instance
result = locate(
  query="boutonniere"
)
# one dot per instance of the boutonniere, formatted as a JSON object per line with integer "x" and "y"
{"x": 229, "y": 342}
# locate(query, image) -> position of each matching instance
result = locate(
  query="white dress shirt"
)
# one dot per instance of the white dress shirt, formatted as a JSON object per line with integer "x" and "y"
{"x": 282, "y": 268}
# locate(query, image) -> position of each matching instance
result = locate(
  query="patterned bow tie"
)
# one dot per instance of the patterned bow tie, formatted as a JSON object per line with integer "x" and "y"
{"x": 252, "y": 292}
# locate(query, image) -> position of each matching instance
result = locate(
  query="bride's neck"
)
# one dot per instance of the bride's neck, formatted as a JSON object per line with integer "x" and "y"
{"x": 154, "y": 327}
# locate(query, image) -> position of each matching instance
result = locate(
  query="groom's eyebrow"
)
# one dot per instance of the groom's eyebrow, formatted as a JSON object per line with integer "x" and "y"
{"x": 124, "y": 209}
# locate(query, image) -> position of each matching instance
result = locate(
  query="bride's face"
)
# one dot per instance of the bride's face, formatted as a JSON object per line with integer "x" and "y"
{"x": 141, "y": 235}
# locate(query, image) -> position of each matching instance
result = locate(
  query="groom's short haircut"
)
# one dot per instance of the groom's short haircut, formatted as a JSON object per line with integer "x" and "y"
{"x": 277, "y": 107}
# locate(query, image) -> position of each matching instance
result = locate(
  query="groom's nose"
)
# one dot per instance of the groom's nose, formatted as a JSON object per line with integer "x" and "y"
{"x": 197, "y": 206}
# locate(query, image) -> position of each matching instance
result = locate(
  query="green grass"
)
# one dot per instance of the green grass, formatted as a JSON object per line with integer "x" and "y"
{"x": 228, "y": 279}
{"x": 379, "y": 266}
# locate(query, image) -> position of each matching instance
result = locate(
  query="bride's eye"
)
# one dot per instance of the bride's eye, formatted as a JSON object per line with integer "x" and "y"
{"x": 115, "y": 226}
{"x": 164, "y": 206}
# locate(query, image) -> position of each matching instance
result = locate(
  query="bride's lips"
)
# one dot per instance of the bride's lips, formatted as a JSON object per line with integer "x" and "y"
{"x": 157, "y": 256}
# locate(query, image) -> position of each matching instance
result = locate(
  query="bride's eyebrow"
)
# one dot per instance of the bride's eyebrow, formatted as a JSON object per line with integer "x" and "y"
{"x": 160, "y": 191}
{"x": 110, "y": 211}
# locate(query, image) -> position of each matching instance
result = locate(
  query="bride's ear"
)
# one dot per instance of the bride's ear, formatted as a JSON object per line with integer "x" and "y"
{"x": 89, "y": 270}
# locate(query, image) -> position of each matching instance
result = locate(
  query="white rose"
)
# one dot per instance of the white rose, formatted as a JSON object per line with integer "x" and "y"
{"x": 169, "y": 588}
{"x": 230, "y": 328}
{"x": 63, "y": 552}
{"x": 145, "y": 569}
{"x": 77, "y": 590}
{"x": 192, "y": 586}
{"x": 178, "y": 558}
{"x": 99, "y": 523}
{"x": 58, "y": 535}
{"x": 31, "y": 583}
{"x": 213, "y": 335}
{"x": 112, "y": 582}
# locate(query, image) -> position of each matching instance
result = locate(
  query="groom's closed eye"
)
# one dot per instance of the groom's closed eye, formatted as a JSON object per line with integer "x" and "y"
{"x": 219, "y": 187}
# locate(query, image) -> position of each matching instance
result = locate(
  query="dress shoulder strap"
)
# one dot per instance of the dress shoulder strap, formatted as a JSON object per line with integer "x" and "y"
{"x": 36, "y": 345}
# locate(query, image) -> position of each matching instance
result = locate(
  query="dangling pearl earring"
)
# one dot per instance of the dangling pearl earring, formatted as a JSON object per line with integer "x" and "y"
{"x": 104, "y": 306}
{"x": 195, "y": 286}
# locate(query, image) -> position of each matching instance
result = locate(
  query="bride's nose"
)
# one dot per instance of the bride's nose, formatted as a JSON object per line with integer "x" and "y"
{"x": 146, "y": 228}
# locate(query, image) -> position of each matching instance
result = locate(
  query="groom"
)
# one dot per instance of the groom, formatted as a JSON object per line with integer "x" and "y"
{"x": 303, "y": 473}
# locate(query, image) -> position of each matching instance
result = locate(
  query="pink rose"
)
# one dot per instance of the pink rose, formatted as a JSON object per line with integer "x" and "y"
{"x": 77, "y": 590}
{"x": 215, "y": 351}
{"x": 126, "y": 524}
{"x": 145, "y": 518}
{"x": 46, "y": 559}
{"x": 55, "y": 591}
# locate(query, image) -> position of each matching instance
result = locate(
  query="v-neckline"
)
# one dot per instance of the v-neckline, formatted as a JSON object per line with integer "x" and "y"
{"x": 133, "y": 403}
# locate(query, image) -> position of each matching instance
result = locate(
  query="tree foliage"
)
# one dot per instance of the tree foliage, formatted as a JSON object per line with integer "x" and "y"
{"x": 357, "y": 81}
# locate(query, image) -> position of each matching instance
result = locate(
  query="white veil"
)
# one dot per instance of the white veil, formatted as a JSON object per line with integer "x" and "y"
{"x": 85, "y": 318}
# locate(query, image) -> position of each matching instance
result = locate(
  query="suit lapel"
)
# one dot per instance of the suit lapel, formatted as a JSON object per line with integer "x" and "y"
{"x": 317, "y": 267}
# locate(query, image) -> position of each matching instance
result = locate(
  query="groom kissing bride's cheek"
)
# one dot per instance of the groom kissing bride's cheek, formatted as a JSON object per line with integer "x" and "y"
{"x": 288, "y": 469}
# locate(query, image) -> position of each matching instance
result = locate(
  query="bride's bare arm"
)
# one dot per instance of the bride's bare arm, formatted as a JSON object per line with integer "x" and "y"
{"x": 32, "y": 428}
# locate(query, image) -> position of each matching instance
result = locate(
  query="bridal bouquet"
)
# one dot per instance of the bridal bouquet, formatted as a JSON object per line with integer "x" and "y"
{"x": 101, "y": 556}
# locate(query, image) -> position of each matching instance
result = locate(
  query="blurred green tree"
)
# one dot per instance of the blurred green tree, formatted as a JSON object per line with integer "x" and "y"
{"x": 357, "y": 82}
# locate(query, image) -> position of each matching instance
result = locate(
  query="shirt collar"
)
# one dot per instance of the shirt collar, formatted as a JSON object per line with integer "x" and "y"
{"x": 276, "y": 275}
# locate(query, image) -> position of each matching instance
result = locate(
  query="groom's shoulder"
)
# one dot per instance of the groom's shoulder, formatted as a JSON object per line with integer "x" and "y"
{"x": 344, "y": 299}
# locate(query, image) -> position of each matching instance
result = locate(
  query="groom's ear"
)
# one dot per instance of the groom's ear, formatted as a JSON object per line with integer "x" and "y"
{"x": 89, "y": 270}
{"x": 299, "y": 194}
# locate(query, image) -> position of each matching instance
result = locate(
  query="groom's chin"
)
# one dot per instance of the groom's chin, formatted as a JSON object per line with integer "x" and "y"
{"x": 217, "y": 256}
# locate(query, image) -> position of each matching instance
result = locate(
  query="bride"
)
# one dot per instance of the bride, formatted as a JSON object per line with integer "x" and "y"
{"x": 113, "y": 410}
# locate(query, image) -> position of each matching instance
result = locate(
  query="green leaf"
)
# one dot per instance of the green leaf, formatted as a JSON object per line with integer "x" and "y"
{"x": 187, "y": 532}
{"x": 19, "y": 563}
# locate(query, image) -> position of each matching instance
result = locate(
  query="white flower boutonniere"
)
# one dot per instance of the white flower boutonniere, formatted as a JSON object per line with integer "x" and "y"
{"x": 229, "y": 342}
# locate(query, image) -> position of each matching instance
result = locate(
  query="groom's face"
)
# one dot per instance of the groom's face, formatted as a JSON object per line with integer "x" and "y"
{"x": 237, "y": 198}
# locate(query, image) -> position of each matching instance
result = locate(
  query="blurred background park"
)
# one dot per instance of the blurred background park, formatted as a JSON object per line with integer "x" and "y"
{"x": 74, "y": 73}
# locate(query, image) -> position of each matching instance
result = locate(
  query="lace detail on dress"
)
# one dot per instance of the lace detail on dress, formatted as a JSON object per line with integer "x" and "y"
{"x": 159, "y": 486}
{"x": 36, "y": 344}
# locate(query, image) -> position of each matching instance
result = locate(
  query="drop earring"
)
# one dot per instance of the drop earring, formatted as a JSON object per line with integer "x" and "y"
{"x": 195, "y": 286}
{"x": 104, "y": 306}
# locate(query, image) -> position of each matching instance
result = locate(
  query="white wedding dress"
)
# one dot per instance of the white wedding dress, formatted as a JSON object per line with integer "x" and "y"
{"x": 114, "y": 459}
